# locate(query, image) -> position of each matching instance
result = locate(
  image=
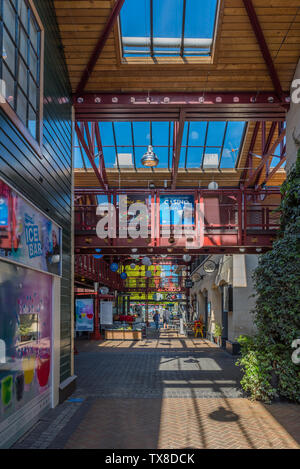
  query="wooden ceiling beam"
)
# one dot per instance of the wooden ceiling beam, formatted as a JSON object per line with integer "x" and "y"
{"x": 99, "y": 46}
{"x": 263, "y": 46}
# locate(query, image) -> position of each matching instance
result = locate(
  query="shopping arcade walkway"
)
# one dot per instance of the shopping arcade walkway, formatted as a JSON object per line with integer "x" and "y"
{"x": 162, "y": 393}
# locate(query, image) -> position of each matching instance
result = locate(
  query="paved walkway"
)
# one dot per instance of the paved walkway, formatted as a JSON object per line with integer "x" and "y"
{"x": 166, "y": 392}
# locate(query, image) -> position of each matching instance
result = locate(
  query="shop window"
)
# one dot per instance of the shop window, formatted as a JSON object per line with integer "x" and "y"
{"x": 20, "y": 65}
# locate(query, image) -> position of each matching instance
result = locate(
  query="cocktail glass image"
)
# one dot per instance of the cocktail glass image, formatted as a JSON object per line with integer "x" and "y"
{"x": 19, "y": 386}
{"x": 28, "y": 365}
{"x": 6, "y": 390}
{"x": 43, "y": 368}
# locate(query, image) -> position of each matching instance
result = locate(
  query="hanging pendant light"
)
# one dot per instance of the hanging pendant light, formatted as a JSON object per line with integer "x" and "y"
{"x": 149, "y": 158}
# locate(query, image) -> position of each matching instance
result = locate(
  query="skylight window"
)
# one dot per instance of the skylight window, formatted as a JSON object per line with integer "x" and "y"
{"x": 168, "y": 28}
{"x": 205, "y": 145}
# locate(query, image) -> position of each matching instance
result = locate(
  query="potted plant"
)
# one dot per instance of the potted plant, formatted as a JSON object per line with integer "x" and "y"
{"x": 218, "y": 334}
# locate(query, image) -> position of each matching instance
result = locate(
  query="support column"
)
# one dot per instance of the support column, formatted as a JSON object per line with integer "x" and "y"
{"x": 128, "y": 304}
{"x": 96, "y": 334}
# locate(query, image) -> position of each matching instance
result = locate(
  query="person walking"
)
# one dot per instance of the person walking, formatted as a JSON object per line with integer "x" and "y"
{"x": 166, "y": 318}
{"x": 156, "y": 318}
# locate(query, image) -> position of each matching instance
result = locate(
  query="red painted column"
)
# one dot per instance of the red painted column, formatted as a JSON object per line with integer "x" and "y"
{"x": 96, "y": 334}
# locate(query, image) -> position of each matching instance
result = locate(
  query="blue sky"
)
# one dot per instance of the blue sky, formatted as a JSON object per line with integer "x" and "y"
{"x": 193, "y": 138}
{"x": 167, "y": 19}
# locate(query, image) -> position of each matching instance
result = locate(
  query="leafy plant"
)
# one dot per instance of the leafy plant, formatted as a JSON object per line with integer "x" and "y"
{"x": 218, "y": 330}
{"x": 269, "y": 371}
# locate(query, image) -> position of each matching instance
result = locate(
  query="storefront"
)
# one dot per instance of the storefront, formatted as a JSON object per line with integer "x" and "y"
{"x": 30, "y": 271}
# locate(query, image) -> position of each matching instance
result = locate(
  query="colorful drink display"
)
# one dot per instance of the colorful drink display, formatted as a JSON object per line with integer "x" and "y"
{"x": 25, "y": 327}
{"x": 84, "y": 314}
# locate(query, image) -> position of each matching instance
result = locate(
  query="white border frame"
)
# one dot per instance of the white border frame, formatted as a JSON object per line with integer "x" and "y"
{"x": 46, "y": 216}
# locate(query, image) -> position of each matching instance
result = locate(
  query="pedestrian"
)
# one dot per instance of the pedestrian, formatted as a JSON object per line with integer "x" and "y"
{"x": 166, "y": 318}
{"x": 156, "y": 318}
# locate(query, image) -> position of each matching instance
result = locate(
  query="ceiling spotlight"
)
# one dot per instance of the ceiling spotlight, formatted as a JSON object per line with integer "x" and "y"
{"x": 150, "y": 159}
{"x": 213, "y": 186}
{"x": 152, "y": 185}
{"x": 134, "y": 250}
{"x": 187, "y": 258}
{"x": 242, "y": 249}
{"x": 258, "y": 249}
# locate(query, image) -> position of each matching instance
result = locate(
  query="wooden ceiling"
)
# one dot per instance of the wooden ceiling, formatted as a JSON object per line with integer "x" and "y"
{"x": 238, "y": 64}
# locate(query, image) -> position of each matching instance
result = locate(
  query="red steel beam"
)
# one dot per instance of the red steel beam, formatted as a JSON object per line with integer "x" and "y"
{"x": 95, "y": 107}
{"x": 266, "y": 146}
{"x": 237, "y": 99}
{"x": 263, "y": 46}
{"x": 251, "y": 148}
{"x": 178, "y": 134}
{"x": 100, "y": 44}
{"x": 275, "y": 169}
{"x": 86, "y": 148}
{"x": 101, "y": 156}
{"x": 252, "y": 179}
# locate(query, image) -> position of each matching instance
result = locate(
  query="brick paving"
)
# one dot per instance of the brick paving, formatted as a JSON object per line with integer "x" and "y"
{"x": 166, "y": 392}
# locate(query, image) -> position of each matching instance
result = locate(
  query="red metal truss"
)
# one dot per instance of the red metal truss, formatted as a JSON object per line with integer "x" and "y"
{"x": 95, "y": 125}
{"x": 274, "y": 170}
{"x": 263, "y": 46}
{"x": 258, "y": 106}
{"x": 248, "y": 166}
{"x": 178, "y": 134}
{"x": 254, "y": 177}
{"x": 96, "y": 270}
{"x": 232, "y": 218}
{"x": 89, "y": 149}
{"x": 100, "y": 44}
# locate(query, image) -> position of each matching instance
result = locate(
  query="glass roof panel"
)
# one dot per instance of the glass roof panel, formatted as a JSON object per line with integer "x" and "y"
{"x": 167, "y": 18}
{"x": 200, "y": 18}
{"x": 197, "y": 133}
{"x": 232, "y": 144}
{"x": 220, "y": 142}
{"x": 215, "y": 134}
{"x": 167, "y": 27}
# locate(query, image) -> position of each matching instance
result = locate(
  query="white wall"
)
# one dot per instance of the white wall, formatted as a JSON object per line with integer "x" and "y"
{"x": 213, "y": 295}
{"x": 241, "y": 320}
{"x": 293, "y": 126}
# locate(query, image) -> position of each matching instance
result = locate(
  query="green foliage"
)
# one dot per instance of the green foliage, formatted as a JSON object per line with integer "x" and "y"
{"x": 266, "y": 358}
{"x": 218, "y": 330}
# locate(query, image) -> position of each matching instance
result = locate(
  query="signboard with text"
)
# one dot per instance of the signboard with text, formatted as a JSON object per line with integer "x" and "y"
{"x": 27, "y": 236}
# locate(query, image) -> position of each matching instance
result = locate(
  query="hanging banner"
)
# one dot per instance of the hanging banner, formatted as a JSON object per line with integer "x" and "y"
{"x": 176, "y": 210}
{"x": 25, "y": 337}
{"x": 27, "y": 236}
{"x": 84, "y": 308}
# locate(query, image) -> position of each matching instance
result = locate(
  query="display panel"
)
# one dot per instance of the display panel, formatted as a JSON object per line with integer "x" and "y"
{"x": 106, "y": 312}
{"x": 176, "y": 210}
{"x": 84, "y": 308}
{"x": 25, "y": 336}
{"x": 26, "y": 235}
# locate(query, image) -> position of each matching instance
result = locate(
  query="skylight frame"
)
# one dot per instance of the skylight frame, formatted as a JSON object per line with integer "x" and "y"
{"x": 137, "y": 141}
{"x": 149, "y": 56}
